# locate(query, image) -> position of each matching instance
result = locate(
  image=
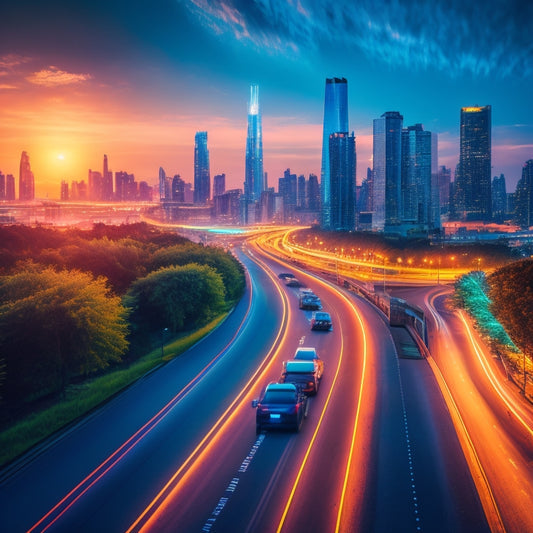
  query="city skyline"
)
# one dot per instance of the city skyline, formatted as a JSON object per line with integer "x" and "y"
{"x": 138, "y": 84}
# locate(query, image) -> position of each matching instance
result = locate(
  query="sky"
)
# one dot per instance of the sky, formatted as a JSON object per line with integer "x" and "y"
{"x": 136, "y": 79}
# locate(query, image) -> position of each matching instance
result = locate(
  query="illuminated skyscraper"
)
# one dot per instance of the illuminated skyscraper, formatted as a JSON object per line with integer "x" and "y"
{"x": 473, "y": 179}
{"x": 107, "y": 182}
{"x": 524, "y": 197}
{"x": 342, "y": 163}
{"x": 202, "y": 177}
{"x": 335, "y": 121}
{"x": 26, "y": 179}
{"x": 254, "y": 177}
{"x": 387, "y": 171}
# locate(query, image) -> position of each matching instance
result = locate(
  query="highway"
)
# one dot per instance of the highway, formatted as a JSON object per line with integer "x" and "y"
{"x": 495, "y": 421}
{"x": 177, "y": 451}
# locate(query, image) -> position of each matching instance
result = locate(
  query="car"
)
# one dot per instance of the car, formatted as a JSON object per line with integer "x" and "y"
{"x": 292, "y": 282}
{"x": 303, "y": 374}
{"x": 321, "y": 320}
{"x": 282, "y": 405}
{"x": 304, "y": 353}
{"x": 310, "y": 301}
{"x": 285, "y": 275}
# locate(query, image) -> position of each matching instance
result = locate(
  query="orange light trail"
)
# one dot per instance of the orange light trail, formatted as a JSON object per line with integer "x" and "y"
{"x": 146, "y": 521}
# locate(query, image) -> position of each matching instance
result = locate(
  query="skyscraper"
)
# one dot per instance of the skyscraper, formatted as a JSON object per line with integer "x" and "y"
{"x": 162, "y": 184}
{"x": 474, "y": 171}
{"x": 416, "y": 176}
{"x": 219, "y": 184}
{"x": 202, "y": 178}
{"x": 335, "y": 121}
{"x": 107, "y": 182}
{"x": 26, "y": 179}
{"x": 387, "y": 171}
{"x": 254, "y": 176}
{"x": 499, "y": 198}
{"x": 342, "y": 164}
{"x": 524, "y": 197}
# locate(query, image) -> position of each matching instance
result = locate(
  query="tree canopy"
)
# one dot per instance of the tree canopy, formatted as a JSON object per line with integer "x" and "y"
{"x": 55, "y": 326}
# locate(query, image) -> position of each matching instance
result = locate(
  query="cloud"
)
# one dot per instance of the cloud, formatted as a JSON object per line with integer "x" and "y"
{"x": 9, "y": 61}
{"x": 5, "y": 86}
{"x": 53, "y": 77}
{"x": 453, "y": 36}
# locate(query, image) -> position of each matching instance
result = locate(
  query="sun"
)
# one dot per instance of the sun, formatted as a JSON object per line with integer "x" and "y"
{"x": 61, "y": 157}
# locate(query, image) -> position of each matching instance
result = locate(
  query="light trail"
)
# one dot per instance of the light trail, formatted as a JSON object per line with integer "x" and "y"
{"x": 147, "y": 520}
{"x": 112, "y": 460}
{"x": 491, "y": 377}
{"x": 360, "y": 395}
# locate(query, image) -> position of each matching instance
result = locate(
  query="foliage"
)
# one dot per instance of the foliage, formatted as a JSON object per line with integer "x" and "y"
{"x": 511, "y": 292}
{"x": 471, "y": 294}
{"x": 55, "y": 326}
{"x": 176, "y": 297}
{"x": 223, "y": 262}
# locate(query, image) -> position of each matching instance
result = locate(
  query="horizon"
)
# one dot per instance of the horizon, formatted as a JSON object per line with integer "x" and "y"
{"x": 138, "y": 84}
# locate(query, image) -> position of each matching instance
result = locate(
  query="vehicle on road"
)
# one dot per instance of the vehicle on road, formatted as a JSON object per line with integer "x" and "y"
{"x": 310, "y": 301}
{"x": 282, "y": 405}
{"x": 303, "y": 374}
{"x": 285, "y": 275}
{"x": 304, "y": 353}
{"x": 321, "y": 321}
{"x": 292, "y": 282}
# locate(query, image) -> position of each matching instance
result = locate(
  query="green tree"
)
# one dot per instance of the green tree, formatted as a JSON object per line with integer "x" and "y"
{"x": 511, "y": 292}
{"x": 177, "y": 297}
{"x": 223, "y": 262}
{"x": 55, "y": 326}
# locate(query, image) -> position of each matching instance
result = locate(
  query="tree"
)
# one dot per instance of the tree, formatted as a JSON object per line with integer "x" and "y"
{"x": 176, "y": 297}
{"x": 223, "y": 262}
{"x": 55, "y": 326}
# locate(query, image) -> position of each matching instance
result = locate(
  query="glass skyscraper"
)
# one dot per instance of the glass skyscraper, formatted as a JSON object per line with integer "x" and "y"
{"x": 26, "y": 179}
{"x": 342, "y": 164}
{"x": 474, "y": 178}
{"x": 335, "y": 121}
{"x": 202, "y": 190}
{"x": 387, "y": 171}
{"x": 254, "y": 177}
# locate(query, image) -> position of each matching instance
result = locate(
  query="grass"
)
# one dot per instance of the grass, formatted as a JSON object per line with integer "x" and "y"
{"x": 81, "y": 399}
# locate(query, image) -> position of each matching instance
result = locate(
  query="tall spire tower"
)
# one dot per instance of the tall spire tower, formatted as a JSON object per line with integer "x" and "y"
{"x": 335, "y": 121}
{"x": 254, "y": 176}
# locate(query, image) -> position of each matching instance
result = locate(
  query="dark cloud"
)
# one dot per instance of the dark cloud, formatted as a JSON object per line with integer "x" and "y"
{"x": 490, "y": 38}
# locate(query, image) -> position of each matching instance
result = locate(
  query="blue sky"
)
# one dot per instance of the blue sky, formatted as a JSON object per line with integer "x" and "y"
{"x": 136, "y": 80}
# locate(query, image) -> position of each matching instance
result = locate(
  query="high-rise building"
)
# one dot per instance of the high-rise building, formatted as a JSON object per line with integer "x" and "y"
{"x": 202, "y": 177}
{"x": 416, "y": 176}
{"x": 64, "y": 191}
{"x": 313, "y": 193}
{"x": 26, "y": 179}
{"x": 288, "y": 190}
{"x": 387, "y": 171}
{"x": 444, "y": 181}
{"x": 473, "y": 180}
{"x": 219, "y": 184}
{"x": 162, "y": 184}
{"x": 96, "y": 186}
{"x": 335, "y": 121}
{"x": 254, "y": 179}
{"x": 107, "y": 182}
{"x": 342, "y": 165}
{"x": 10, "y": 187}
{"x": 499, "y": 198}
{"x": 2, "y": 186}
{"x": 523, "y": 199}
{"x": 178, "y": 189}
{"x": 301, "y": 199}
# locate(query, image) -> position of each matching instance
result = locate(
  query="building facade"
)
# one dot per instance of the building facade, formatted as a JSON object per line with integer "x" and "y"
{"x": 523, "y": 200}
{"x": 254, "y": 176}
{"x": 342, "y": 174}
{"x": 26, "y": 179}
{"x": 387, "y": 171}
{"x": 202, "y": 177}
{"x": 335, "y": 121}
{"x": 472, "y": 195}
